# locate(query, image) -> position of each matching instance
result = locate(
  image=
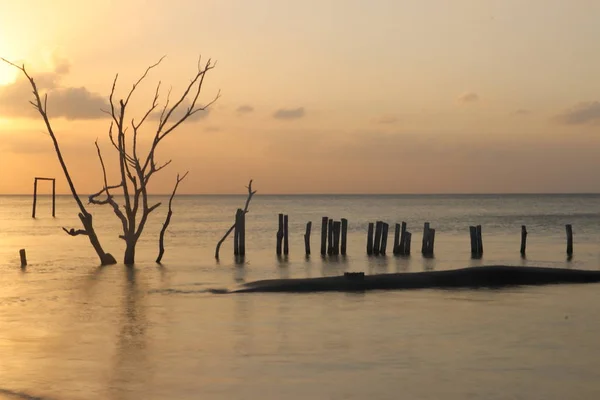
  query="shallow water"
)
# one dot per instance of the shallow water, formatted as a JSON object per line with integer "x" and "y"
{"x": 72, "y": 330}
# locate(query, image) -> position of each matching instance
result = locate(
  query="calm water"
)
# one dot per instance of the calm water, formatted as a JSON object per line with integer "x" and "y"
{"x": 72, "y": 330}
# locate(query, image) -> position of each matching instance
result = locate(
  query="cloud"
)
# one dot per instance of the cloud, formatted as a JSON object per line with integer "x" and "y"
{"x": 522, "y": 112}
{"x": 581, "y": 114}
{"x": 212, "y": 129}
{"x": 289, "y": 113}
{"x": 63, "y": 102}
{"x": 469, "y": 97}
{"x": 245, "y": 109}
{"x": 386, "y": 120}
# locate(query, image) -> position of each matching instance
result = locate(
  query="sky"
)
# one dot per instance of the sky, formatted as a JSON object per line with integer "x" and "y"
{"x": 317, "y": 96}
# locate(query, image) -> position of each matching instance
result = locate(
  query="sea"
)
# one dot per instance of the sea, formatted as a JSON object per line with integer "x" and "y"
{"x": 71, "y": 329}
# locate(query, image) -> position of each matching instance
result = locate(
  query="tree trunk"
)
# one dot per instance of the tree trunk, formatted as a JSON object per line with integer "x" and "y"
{"x": 105, "y": 258}
{"x": 129, "y": 258}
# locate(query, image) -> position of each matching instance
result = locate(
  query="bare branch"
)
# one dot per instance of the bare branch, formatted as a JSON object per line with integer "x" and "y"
{"x": 161, "y": 246}
{"x": 75, "y": 232}
{"x": 135, "y": 85}
{"x": 250, "y": 194}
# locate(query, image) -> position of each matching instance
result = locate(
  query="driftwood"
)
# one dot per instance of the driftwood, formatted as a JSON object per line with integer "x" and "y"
{"x": 250, "y": 194}
{"x": 161, "y": 240}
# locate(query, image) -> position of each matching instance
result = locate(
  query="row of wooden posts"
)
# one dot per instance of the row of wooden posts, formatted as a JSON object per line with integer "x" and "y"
{"x": 334, "y": 237}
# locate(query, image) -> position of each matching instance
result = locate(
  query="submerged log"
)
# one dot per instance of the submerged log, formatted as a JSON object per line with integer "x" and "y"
{"x": 472, "y": 277}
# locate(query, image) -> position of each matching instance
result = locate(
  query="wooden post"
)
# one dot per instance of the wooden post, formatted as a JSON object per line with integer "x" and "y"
{"x": 431, "y": 242}
{"x": 344, "y": 235}
{"x": 337, "y": 227}
{"x": 307, "y": 237}
{"x": 473, "y": 234}
{"x": 286, "y": 245}
{"x": 330, "y": 237}
{"x": 53, "y": 198}
{"x": 236, "y": 233}
{"x": 377, "y": 241}
{"x": 370, "y": 239}
{"x": 324, "y": 223}
{"x": 396, "y": 248}
{"x": 35, "y": 181}
{"x": 569, "y": 229}
{"x": 408, "y": 237}
{"x": 242, "y": 243}
{"x": 425, "y": 244}
{"x": 23, "y": 258}
{"x": 523, "y": 240}
{"x": 384, "y": 237}
{"x": 479, "y": 240}
{"x": 403, "y": 239}
{"x": 279, "y": 235}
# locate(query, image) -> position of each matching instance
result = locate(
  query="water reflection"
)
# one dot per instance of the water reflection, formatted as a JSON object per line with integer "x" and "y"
{"x": 131, "y": 367}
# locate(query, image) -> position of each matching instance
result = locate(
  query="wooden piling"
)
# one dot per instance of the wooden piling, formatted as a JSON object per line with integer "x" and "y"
{"x": 344, "y": 235}
{"x": 431, "y": 242}
{"x": 384, "y": 237}
{"x": 377, "y": 240}
{"x": 425, "y": 243}
{"x": 473, "y": 234}
{"x": 337, "y": 227}
{"x": 407, "y": 240}
{"x": 403, "y": 239}
{"x": 53, "y": 198}
{"x": 523, "y": 240}
{"x": 307, "y": 237}
{"x": 569, "y": 230}
{"x": 370, "y": 239}
{"x": 23, "y": 258}
{"x": 35, "y": 181}
{"x": 324, "y": 223}
{"x": 396, "y": 248}
{"x": 286, "y": 246}
{"x": 279, "y": 235}
{"x": 242, "y": 238}
{"x": 330, "y": 237}
{"x": 236, "y": 233}
{"x": 479, "y": 240}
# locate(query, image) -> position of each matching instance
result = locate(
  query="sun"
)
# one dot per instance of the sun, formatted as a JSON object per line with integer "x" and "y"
{"x": 8, "y": 74}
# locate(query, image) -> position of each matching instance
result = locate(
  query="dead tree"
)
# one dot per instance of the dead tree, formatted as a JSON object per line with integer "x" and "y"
{"x": 135, "y": 169}
{"x": 84, "y": 215}
{"x": 161, "y": 240}
{"x": 250, "y": 194}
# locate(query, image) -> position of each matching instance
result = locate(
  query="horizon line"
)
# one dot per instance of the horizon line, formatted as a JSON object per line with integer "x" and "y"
{"x": 337, "y": 194}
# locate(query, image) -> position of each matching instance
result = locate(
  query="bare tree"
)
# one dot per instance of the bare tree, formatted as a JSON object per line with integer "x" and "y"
{"x": 84, "y": 215}
{"x": 135, "y": 169}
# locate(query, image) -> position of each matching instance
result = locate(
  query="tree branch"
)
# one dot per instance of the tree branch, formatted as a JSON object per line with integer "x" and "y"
{"x": 161, "y": 246}
{"x": 250, "y": 194}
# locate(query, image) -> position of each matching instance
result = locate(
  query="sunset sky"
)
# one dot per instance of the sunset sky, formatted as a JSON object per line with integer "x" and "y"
{"x": 318, "y": 96}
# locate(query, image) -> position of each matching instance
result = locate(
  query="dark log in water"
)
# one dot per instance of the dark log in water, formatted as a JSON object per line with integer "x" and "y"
{"x": 344, "y": 235}
{"x": 471, "y": 278}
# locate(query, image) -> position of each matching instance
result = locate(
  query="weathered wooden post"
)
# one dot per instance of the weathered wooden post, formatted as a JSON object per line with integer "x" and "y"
{"x": 479, "y": 240}
{"x": 370, "y": 239}
{"x": 344, "y": 235}
{"x": 403, "y": 239}
{"x": 23, "y": 258}
{"x": 407, "y": 241}
{"x": 236, "y": 233}
{"x": 53, "y": 197}
{"x": 473, "y": 234}
{"x": 377, "y": 241}
{"x": 396, "y": 248}
{"x": 384, "y": 237}
{"x": 307, "y": 237}
{"x": 425, "y": 243}
{"x": 337, "y": 227}
{"x": 242, "y": 244}
{"x": 34, "y": 196}
{"x": 279, "y": 235}
{"x": 523, "y": 240}
{"x": 286, "y": 246}
{"x": 569, "y": 229}
{"x": 431, "y": 242}
{"x": 330, "y": 237}
{"x": 324, "y": 223}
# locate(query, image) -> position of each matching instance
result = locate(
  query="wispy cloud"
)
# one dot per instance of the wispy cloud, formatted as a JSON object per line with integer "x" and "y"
{"x": 289, "y": 113}
{"x": 244, "y": 109}
{"x": 467, "y": 98}
{"x": 581, "y": 114}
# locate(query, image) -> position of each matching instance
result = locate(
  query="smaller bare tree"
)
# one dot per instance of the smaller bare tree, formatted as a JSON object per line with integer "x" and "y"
{"x": 220, "y": 242}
